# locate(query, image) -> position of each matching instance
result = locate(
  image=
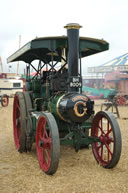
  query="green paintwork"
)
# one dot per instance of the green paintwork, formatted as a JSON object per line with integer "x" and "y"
{"x": 24, "y": 77}
{"x": 41, "y": 47}
{"x": 36, "y": 86}
{"x": 52, "y": 105}
{"x": 49, "y": 52}
{"x": 71, "y": 136}
{"x": 77, "y": 140}
{"x": 98, "y": 91}
{"x": 29, "y": 86}
{"x": 34, "y": 120}
{"x": 45, "y": 91}
{"x": 74, "y": 137}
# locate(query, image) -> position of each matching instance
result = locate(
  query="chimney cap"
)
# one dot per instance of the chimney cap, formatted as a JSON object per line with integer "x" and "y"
{"x": 73, "y": 26}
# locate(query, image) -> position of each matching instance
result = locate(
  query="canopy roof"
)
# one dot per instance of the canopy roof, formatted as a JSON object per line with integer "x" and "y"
{"x": 49, "y": 48}
{"x": 117, "y": 64}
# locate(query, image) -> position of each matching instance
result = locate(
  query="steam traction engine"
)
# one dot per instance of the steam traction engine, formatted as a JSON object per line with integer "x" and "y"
{"x": 53, "y": 110}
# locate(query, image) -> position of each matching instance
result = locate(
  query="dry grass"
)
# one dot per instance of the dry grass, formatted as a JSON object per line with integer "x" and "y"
{"x": 77, "y": 172}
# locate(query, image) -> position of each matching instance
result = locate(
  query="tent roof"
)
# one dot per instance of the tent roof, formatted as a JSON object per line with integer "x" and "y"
{"x": 119, "y": 61}
{"x": 117, "y": 64}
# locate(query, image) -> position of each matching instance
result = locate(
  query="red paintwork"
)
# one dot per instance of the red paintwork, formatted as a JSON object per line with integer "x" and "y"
{"x": 16, "y": 122}
{"x": 103, "y": 151}
{"x": 43, "y": 136}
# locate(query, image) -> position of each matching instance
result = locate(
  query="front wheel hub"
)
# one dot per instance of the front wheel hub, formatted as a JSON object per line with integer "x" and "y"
{"x": 104, "y": 139}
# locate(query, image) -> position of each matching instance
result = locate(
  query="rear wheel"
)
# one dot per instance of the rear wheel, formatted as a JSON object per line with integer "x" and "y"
{"x": 4, "y": 100}
{"x": 19, "y": 122}
{"x": 47, "y": 143}
{"x": 29, "y": 124}
{"x": 106, "y": 152}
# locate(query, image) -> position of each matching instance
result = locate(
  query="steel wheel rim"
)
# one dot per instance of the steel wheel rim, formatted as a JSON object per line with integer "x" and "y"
{"x": 16, "y": 122}
{"x": 44, "y": 144}
{"x": 103, "y": 150}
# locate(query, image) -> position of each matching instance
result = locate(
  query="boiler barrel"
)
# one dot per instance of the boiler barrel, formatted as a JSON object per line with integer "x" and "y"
{"x": 72, "y": 107}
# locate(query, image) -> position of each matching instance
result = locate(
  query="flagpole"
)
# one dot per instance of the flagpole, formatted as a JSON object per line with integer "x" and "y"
{"x": 1, "y": 64}
{"x": 19, "y": 48}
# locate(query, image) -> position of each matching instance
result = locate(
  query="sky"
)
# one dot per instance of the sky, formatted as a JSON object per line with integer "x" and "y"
{"x": 102, "y": 19}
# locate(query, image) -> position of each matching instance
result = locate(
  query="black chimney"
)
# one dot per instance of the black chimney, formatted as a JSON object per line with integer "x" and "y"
{"x": 73, "y": 56}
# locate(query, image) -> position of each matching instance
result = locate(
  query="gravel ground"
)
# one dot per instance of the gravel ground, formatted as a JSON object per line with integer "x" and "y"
{"x": 77, "y": 172}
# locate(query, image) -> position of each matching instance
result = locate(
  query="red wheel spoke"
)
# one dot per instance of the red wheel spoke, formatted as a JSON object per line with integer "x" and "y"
{"x": 45, "y": 134}
{"x": 46, "y": 145}
{"x": 44, "y": 157}
{"x": 48, "y": 140}
{"x": 109, "y": 132}
{"x": 102, "y": 151}
{"x": 47, "y": 157}
{"x": 99, "y": 146}
{"x": 102, "y": 130}
{"x": 19, "y": 114}
{"x": 41, "y": 157}
{"x": 107, "y": 146}
{"x": 100, "y": 127}
{"x": 17, "y": 106}
{"x": 110, "y": 139}
{"x": 40, "y": 133}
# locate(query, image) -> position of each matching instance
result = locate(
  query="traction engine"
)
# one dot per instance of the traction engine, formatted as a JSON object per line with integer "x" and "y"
{"x": 53, "y": 110}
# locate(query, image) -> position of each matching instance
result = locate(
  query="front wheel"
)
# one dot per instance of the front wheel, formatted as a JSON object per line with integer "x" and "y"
{"x": 47, "y": 143}
{"x": 108, "y": 150}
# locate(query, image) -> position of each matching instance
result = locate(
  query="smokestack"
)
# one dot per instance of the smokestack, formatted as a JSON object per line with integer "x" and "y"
{"x": 73, "y": 53}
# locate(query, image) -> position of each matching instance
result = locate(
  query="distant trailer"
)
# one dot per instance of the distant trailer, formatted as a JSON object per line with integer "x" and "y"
{"x": 10, "y": 86}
